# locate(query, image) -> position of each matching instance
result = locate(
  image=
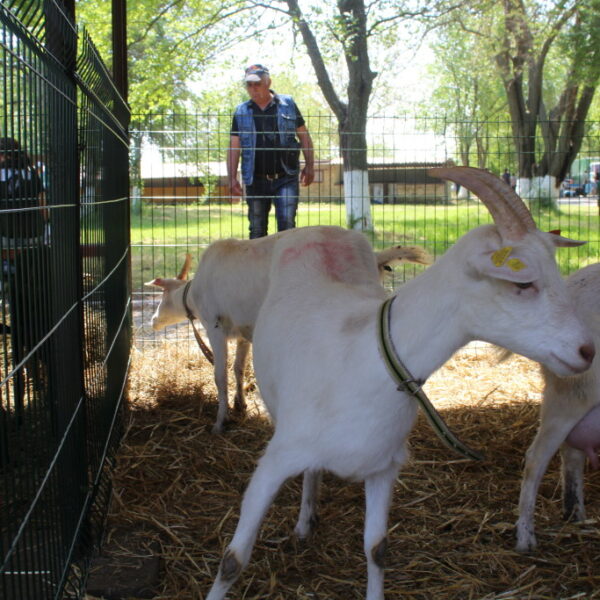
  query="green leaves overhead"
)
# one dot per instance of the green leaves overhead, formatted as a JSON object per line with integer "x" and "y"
{"x": 169, "y": 42}
{"x": 545, "y": 56}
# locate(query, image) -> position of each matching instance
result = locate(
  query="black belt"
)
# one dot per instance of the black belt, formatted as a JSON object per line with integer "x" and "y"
{"x": 273, "y": 177}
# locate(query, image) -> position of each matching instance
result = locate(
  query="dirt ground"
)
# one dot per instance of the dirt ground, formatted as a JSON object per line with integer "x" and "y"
{"x": 177, "y": 491}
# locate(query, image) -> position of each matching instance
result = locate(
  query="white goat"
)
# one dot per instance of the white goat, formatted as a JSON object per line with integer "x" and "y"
{"x": 566, "y": 402}
{"x": 226, "y": 294}
{"x": 320, "y": 373}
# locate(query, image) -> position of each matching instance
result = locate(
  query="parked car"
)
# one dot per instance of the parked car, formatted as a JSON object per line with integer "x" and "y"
{"x": 571, "y": 189}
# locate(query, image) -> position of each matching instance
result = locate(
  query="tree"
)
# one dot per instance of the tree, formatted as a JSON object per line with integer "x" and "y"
{"x": 529, "y": 39}
{"x": 467, "y": 96}
{"x": 168, "y": 42}
{"x": 348, "y": 26}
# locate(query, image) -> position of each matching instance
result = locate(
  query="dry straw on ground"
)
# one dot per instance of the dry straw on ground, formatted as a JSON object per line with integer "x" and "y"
{"x": 451, "y": 524}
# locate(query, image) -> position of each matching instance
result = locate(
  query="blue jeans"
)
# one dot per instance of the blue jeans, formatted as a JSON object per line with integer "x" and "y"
{"x": 283, "y": 193}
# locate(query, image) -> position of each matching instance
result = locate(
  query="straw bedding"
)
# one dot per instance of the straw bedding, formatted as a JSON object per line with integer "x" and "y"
{"x": 178, "y": 487}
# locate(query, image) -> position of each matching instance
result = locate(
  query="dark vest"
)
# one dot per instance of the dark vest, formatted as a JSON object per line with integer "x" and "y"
{"x": 286, "y": 125}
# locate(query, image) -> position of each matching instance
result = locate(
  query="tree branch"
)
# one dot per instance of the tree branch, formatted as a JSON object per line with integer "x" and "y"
{"x": 217, "y": 18}
{"x": 161, "y": 13}
{"x": 312, "y": 47}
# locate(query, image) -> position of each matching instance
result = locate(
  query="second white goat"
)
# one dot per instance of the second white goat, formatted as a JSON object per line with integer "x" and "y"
{"x": 226, "y": 294}
{"x": 320, "y": 373}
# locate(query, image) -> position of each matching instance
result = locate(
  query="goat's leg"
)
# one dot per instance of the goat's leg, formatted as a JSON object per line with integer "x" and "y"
{"x": 573, "y": 462}
{"x": 268, "y": 477}
{"x": 307, "y": 519}
{"x": 239, "y": 368}
{"x": 218, "y": 343}
{"x": 378, "y": 495}
{"x": 551, "y": 434}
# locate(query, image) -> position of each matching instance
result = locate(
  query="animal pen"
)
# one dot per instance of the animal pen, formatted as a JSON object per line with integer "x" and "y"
{"x": 62, "y": 402}
{"x": 452, "y": 521}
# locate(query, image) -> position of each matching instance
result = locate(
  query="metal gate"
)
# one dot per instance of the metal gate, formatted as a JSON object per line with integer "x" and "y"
{"x": 64, "y": 298}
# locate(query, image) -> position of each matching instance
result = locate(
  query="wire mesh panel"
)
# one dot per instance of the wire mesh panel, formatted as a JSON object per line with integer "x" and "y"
{"x": 181, "y": 200}
{"x": 105, "y": 275}
{"x": 64, "y": 320}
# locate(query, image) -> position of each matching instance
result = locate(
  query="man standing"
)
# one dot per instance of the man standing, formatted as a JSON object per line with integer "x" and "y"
{"x": 265, "y": 132}
{"x": 24, "y": 262}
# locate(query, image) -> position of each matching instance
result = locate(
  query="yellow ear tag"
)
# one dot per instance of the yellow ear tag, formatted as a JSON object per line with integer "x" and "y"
{"x": 516, "y": 264}
{"x": 499, "y": 257}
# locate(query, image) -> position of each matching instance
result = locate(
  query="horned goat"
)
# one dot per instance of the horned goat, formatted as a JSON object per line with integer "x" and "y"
{"x": 316, "y": 354}
{"x": 226, "y": 294}
{"x": 569, "y": 420}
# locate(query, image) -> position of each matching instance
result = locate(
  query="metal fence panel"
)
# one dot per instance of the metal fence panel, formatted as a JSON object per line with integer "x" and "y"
{"x": 64, "y": 299}
{"x": 181, "y": 201}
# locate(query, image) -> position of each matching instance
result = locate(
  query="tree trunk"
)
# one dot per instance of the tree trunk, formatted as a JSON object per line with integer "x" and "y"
{"x": 568, "y": 126}
{"x": 523, "y": 125}
{"x": 540, "y": 190}
{"x": 561, "y": 129}
{"x": 351, "y": 116}
{"x": 356, "y": 176}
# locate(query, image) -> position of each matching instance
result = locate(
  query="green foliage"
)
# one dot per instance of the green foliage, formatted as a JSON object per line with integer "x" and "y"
{"x": 169, "y": 41}
{"x": 505, "y": 50}
{"x": 467, "y": 94}
{"x": 581, "y": 42}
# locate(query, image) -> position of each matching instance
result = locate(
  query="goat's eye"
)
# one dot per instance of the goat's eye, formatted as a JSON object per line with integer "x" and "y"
{"x": 524, "y": 286}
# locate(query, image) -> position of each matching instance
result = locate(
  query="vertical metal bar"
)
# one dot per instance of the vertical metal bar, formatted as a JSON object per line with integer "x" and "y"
{"x": 119, "y": 45}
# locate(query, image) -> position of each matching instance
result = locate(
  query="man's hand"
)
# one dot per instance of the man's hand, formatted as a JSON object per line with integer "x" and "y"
{"x": 308, "y": 175}
{"x": 233, "y": 159}
{"x": 235, "y": 187}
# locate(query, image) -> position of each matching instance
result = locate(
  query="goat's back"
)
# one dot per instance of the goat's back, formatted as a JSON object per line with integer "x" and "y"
{"x": 324, "y": 254}
{"x": 234, "y": 275}
{"x": 232, "y": 280}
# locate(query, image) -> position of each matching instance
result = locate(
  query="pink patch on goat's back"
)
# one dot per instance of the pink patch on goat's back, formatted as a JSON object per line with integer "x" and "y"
{"x": 331, "y": 257}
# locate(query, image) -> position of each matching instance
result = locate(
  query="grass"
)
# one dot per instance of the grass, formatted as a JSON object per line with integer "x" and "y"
{"x": 162, "y": 234}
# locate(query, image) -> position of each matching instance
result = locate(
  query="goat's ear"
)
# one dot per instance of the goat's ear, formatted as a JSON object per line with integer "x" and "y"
{"x": 562, "y": 242}
{"x": 183, "y": 274}
{"x": 158, "y": 282}
{"x": 506, "y": 264}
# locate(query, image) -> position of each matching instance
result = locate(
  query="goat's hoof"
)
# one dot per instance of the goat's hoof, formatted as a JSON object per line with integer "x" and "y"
{"x": 574, "y": 515}
{"x": 301, "y": 533}
{"x": 305, "y": 530}
{"x": 239, "y": 409}
{"x": 217, "y": 429}
{"x": 525, "y": 546}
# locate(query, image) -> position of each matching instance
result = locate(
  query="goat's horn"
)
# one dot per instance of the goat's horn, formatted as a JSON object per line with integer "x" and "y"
{"x": 506, "y": 207}
{"x": 186, "y": 267}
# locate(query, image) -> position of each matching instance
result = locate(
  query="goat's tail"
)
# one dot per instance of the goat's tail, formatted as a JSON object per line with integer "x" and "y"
{"x": 397, "y": 255}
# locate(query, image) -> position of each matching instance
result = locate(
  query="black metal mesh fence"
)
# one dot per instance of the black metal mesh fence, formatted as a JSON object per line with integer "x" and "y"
{"x": 181, "y": 200}
{"x": 64, "y": 297}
